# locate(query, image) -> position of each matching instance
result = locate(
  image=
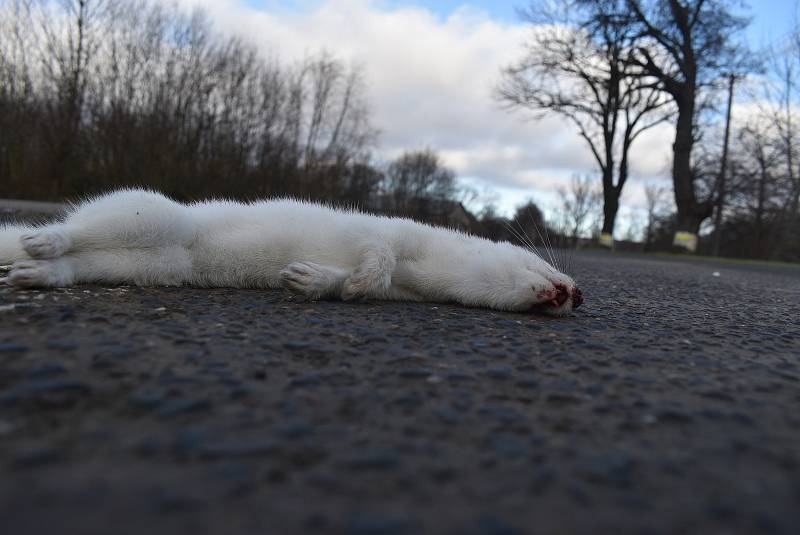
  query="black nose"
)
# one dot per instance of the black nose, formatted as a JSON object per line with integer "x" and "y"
{"x": 577, "y": 298}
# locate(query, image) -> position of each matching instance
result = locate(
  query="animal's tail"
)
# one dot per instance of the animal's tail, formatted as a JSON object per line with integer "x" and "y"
{"x": 10, "y": 247}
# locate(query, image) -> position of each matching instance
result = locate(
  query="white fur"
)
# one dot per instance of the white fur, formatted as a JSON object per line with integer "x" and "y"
{"x": 141, "y": 237}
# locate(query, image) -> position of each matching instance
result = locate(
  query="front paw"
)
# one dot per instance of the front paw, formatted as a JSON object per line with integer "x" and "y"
{"x": 45, "y": 244}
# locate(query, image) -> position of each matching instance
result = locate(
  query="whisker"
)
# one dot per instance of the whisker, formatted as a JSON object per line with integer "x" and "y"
{"x": 516, "y": 236}
{"x": 529, "y": 238}
{"x": 541, "y": 239}
{"x": 566, "y": 246}
{"x": 522, "y": 232}
{"x": 547, "y": 235}
{"x": 544, "y": 244}
{"x": 526, "y": 244}
{"x": 562, "y": 249}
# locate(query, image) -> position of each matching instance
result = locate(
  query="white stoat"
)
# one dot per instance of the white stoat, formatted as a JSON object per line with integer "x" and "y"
{"x": 141, "y": 237}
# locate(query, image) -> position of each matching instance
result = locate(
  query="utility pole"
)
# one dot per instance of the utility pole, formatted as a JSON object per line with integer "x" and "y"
{"x": 723, "y": 169}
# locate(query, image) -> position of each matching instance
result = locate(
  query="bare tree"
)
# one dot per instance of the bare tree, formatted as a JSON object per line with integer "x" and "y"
{"x": 528, "y": 227}
{"x": 334, "y": 114}
{"x": 578, "y": 203}
{"x": 635, "y": 228}
{"x": 575, "y": 65}
{"x": 17, "y": 94}
{"x": 104, "y": 93}
{"x": 418, "y": 175}
{"x": 779, "y": 99}
{"x": 66, "y": 51}
{"x": 758, "y": 168}
{"x": 757, "y": 209}
{"x": 685, "y": 46}
{"x": 655, "y": 198}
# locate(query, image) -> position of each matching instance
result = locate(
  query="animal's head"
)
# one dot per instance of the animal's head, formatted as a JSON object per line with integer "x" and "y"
{"x": 517, "y": 279}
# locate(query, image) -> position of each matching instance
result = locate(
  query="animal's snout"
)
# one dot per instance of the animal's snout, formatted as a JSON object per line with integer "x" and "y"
{"x": 561, "y": 295}
{"x": 577, "y": 297}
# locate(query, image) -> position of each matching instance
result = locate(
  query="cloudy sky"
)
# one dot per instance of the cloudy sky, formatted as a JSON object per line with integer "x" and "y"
{"x": 430, "y": 67}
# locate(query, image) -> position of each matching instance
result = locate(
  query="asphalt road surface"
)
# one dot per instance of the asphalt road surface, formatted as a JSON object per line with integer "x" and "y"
{"x": 668, "y": 403}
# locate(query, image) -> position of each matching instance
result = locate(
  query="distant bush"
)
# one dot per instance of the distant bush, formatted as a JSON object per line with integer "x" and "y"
{"x": 97, "y": 94}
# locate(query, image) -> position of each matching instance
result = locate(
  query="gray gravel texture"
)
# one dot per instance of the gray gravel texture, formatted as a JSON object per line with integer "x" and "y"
{"x": 667, "y": 404}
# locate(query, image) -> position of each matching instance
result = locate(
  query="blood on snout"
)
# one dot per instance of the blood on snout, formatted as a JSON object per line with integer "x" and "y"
{"x": 561, "y": 295}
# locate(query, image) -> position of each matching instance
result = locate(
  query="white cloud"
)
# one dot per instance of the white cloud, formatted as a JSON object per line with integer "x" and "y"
{"x": 429, "y": 84}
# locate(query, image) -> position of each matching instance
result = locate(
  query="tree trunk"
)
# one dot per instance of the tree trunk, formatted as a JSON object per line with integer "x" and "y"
{"x": 682, "y": 169}
{"x": 610, "y": 208}
{"x": 691, "y": 213}
{"x": 611, "y": 193}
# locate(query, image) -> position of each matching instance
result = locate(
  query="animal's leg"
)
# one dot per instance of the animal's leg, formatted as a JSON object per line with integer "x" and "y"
{"x": 55, "y": 272}
{"x": 313, "y": 280}
{"x": 124, "y": 219}
{"x": 157, "y": 266}
{"x": 47, "y": 242}
{"x": 373, "y": 276}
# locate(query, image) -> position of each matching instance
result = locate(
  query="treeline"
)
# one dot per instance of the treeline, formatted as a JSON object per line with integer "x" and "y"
{"x": 102, "y": 93}
{"x": 615, "y": 68}
{"x": 757, "y": 194}
{"x": 96, "y": 94}
{"x": 760, "y": 210}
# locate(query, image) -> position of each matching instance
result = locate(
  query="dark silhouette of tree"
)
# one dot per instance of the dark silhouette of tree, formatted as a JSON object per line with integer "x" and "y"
{"x": 578, "y": 202}
{"x": 575, "y": 65}
{"x": 108, "y": 93}
{"x": 686, "y": 46}
{"x": 528, "y": 226}
{"x": 779, "y": 100}
{"x": 418, "y": 175}
{"x": 655, "y": 200}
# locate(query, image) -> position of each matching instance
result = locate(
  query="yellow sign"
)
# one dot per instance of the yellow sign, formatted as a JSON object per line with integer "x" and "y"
{"x": 687, "y": 240}
{"x": 607, "y": 240}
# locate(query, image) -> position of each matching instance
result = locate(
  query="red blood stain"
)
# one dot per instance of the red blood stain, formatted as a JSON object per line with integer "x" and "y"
{"x": 561, "y": 295}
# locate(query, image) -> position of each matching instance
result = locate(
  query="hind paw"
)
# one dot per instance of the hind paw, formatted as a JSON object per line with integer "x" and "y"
{"x": 45, "y": 244}
{"x": 312, "y": 280}
{"x": 39, "y": 273}
{"x": 366, "y": 284}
